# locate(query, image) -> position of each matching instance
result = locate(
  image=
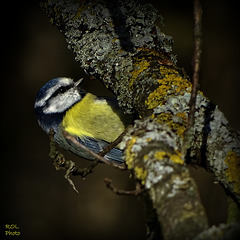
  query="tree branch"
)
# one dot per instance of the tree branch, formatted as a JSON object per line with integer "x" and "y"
{"x": 197, "y": 13}
{"x": 135, "y": 192}
{"x": 133, "y": 58}
{"x": 151, "y": 150}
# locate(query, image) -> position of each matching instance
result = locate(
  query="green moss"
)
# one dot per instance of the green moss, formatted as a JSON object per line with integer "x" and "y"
{"x": 232, "y": 160}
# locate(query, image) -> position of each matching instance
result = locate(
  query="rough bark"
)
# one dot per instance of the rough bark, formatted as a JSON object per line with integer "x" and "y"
{"x": 117, "y": 42}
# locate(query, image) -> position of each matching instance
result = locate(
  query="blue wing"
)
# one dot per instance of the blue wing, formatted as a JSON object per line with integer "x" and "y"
{"x": 114, "y": 155}
{"x": 97, "y": 146}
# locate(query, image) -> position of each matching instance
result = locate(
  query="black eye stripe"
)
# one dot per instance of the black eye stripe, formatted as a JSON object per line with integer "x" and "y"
{"x": 61, "y": 90}
{"x": 64, "y": 89}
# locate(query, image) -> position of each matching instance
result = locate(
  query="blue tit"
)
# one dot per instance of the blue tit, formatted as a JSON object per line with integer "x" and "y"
{"x": 94, "y": 121}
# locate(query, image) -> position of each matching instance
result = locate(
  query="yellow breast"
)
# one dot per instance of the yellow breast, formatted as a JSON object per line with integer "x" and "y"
{"x": 93, "y": 118}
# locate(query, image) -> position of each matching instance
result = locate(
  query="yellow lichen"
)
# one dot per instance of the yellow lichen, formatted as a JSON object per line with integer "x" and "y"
{"x": 78, "y": 14}
{"x": 159, "y": 155}
{"x": 82, "y": 7}
{"x": 129, "y": 154}
{"x": 171, "y": 84}
{"x": 182, "y": 115}
{"x": 139, "y": 67}
{"x": 175, "y": 157}
{"x": 140, "y": 174}
{"x": 180, "y": 131}
{"x": 232, "y": 160}
{"x": 145, "y": 157}
{"x": 149, "y": 51}
{"x": 177, "y": 127}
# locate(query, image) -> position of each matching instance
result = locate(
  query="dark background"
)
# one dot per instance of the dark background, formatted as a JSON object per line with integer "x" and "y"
{"x": 34, "y": 195}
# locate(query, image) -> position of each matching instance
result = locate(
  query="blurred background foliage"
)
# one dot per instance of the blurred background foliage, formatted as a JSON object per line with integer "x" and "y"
{"x": 33, "y": 194}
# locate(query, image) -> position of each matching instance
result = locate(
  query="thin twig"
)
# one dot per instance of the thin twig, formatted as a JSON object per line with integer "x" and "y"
{"x": 134, "y": 192}
{"x": 113, "y": 144}
{"x": 197, "y": 12}
{"x": 95, "y": 155}
{"x": 83, "y": 172}
{"x": 60, "y": 162}
{"x": 69, "y": 170}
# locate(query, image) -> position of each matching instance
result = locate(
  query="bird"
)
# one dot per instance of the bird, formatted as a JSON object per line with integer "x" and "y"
{"x": 63, "y": 106}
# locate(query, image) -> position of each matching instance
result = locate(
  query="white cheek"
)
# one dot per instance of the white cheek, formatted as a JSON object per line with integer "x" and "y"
{"x": 62, "y": 102}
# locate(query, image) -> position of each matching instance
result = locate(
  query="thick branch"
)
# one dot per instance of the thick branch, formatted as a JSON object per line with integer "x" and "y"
{"x": 152, "y": 151}
{"x": 146, "y": 73}
{"x": 118, "y": 43}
